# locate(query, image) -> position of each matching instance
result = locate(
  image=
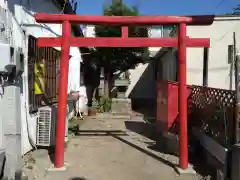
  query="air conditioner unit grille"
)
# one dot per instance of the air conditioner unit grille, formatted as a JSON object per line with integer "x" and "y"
{"x": 47, "y": 117}
{"x": 44, "y": 126}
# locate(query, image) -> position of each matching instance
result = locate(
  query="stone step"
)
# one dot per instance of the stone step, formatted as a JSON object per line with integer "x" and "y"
{"x": 121, "y": 105}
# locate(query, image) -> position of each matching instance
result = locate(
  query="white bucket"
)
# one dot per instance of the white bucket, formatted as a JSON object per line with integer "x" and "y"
{"x": 81, "y": 103}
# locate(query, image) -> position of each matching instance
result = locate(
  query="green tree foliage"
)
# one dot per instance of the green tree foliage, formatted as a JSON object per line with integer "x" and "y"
{"x": 114, "y": 59}
{"x": 236, "y": 10}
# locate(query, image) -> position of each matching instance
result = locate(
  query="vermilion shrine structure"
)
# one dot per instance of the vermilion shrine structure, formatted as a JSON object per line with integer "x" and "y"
{"x": 182, "y": 41}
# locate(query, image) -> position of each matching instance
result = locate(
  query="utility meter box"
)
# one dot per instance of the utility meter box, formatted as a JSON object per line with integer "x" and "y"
{"x": 19, "y": 59}
{"x": 7, "y": 57}
{"x": 11, "y": 59}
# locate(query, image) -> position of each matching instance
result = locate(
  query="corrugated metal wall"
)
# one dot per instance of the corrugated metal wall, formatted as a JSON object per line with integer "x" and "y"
{"x": 46, "y": 61}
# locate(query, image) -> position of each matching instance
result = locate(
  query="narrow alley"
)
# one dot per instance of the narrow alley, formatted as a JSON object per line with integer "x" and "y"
{"x": 105, "y": 149}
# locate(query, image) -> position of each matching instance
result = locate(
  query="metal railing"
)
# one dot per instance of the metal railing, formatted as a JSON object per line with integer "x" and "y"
{"x": 43, "y": 75}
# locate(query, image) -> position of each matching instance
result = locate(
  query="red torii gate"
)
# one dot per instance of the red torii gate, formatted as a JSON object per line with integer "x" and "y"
{"x": 181, "y": 42}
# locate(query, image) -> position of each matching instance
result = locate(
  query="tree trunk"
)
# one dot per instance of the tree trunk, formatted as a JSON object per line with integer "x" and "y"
{"x": 107, "y": 84}
{"x": 110, "y": 84}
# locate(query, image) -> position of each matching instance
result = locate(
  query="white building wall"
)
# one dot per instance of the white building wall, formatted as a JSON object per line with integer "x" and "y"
{"x": 141, "y": 82}
{"x": 221, "y": 35}
{"x": 23, "y": 11}
{"x": 24, "y": 15}
{"x": 2, "y": 3}
{"x": 143, "y": 69}
{"x": 89, "y": 31}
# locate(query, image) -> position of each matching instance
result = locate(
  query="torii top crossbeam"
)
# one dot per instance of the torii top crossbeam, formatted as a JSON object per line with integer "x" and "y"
{"x": 125, "y": 20}
{"x": 124, "y": 41}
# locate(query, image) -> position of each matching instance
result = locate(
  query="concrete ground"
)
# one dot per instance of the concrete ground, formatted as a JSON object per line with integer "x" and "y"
{"x": 108, "y": 149}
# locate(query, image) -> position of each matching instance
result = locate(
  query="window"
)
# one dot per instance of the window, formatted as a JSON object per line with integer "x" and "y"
{"x": 42, "y": 60}
{"x": 230, "y": 54}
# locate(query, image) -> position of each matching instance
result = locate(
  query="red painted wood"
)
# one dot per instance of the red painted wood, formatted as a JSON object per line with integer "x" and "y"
{"x": 167, "y": 108}
{"x": 62, "y": 95}
{"x": 123, "y": 42}
{"x": 182, "y": 69}
{"x": 124, "y": 20}
{"x": 124, "y": 32}
{"x": 181, "y": 42}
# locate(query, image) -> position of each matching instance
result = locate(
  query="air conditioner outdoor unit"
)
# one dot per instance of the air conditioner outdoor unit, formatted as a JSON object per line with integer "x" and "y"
{"x": 46, "y": 125}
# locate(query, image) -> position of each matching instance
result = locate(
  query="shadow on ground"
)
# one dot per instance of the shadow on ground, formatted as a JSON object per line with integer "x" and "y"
{"x": 196, "y": 154}
{"x": 141, "y": 128}
{"x": 147, "y": 130}
{"x": 101, "y": 133}
{"x": 146, "y": 108}
{"x": 119, "y": 135}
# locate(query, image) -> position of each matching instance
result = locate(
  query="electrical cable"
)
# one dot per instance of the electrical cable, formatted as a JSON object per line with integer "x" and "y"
{"x": 1, "y": 86}
{"x": 219, "y": 4}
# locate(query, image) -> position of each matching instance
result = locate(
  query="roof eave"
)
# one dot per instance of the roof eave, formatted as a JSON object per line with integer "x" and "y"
{"x": 75, "y": 27}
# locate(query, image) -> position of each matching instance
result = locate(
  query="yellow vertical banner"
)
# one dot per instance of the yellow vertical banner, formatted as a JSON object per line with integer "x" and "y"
{"x": 39, "y": 78}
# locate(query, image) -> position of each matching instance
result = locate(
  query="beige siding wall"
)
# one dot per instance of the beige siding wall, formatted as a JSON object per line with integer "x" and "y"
{"x": 221, "y": 35}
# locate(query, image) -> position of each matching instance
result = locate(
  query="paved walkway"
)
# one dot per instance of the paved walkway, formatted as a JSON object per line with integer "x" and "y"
{"x": 109, "y": 149}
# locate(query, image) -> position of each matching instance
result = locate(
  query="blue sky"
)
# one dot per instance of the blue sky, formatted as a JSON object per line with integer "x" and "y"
{"x": 164, "y": 7}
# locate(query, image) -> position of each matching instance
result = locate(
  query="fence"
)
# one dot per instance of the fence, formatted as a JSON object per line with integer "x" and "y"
{"x": 212, "y": 111}
{"x": 43, "y": 75}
